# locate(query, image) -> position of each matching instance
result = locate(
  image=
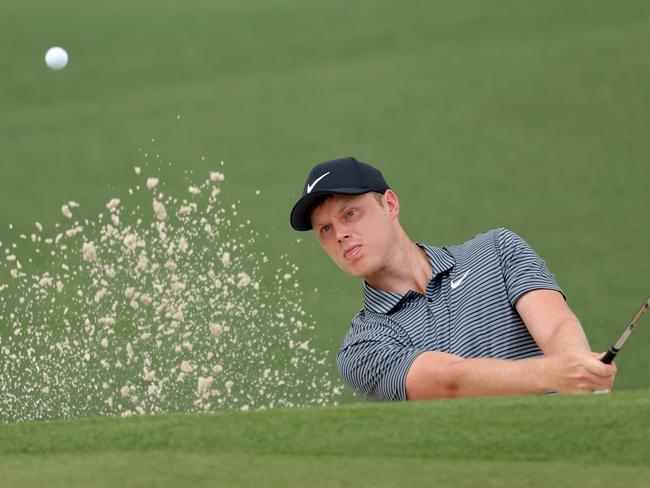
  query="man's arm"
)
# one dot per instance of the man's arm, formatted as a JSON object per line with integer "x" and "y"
{"x": 551, "y": 322}
{"x": 442, "y": 375}
{"x": 568, "y": 366}
{"x": 559, "y": 334}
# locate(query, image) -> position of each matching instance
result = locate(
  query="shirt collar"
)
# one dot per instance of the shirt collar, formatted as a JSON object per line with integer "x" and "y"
{"x": 382, "y": 301}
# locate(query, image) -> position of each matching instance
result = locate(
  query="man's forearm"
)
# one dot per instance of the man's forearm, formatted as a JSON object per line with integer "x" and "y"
{"x": 441, "y": 375}
{"x": 488, "y": 377}
{"x": 551, "y": 322}
{"x": 567, "y": 334}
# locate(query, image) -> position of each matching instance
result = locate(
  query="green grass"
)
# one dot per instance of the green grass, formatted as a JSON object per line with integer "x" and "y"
{"x": 528, "y": 116}
{"x": 535, "y": 441}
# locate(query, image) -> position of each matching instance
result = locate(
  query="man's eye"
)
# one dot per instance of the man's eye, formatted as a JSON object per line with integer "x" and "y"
{"x": 351, "y": 213}
{"x": 325, "y": 229}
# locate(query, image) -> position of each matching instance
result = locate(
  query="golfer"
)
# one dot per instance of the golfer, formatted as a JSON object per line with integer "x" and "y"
{"x": 481, "y": 318}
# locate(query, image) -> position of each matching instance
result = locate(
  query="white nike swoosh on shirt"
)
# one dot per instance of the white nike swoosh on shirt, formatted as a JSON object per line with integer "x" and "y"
{"x": 456, "y": 284}
{"x": 311, "y": 187}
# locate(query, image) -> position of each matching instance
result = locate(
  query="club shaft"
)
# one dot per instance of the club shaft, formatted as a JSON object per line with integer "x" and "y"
{"x": 613, "y": 350}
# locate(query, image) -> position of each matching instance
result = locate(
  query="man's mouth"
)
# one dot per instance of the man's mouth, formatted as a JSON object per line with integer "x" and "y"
{"x": 352, "y": 252}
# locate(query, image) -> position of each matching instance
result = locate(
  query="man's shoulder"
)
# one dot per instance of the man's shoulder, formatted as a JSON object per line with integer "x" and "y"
{"x": 495, "y": 244}
{"x": 364, "y": 317}
{"x": 368, "y": 322}
{"x": 373, "y": 327}
{"x": 488, "y": 239}
{"x": 362, "y": 322}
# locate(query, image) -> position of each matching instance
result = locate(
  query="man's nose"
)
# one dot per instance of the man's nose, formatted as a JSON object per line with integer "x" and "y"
{"x": 342, "y": 233}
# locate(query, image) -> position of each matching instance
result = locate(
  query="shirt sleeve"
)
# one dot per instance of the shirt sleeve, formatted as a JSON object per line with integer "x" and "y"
{"x": 523, "y": 269}
{"x": 375, "y": 359}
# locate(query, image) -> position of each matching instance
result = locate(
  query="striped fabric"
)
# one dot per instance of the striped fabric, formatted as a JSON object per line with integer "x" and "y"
{"x": 474, "y": 319}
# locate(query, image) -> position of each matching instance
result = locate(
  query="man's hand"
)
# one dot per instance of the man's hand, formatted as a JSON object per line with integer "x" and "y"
{"x": 576, "y": 371}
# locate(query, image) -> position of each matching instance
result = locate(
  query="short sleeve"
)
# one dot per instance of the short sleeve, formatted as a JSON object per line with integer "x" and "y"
{"x": 375, "y": 358}
{"x": 523, "y": 269}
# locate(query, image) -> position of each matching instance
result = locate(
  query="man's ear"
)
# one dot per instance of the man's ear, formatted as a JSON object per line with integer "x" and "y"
{"x": 392, "y": 202}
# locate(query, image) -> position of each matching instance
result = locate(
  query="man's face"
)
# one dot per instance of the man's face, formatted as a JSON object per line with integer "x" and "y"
{"x": 357, "y": 231}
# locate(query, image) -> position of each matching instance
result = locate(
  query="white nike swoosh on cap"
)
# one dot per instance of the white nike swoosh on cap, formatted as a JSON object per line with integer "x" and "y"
{"x": 456, "y": 284}
{"x": 311, "y": 187}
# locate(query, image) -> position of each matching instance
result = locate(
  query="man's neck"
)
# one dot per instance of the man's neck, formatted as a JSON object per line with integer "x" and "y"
{"x": 409, "y": 269}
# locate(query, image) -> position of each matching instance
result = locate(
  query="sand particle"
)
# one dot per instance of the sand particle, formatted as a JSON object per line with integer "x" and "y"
{"x": 113, "y": 204}
{"x": 88, "y": 251}
{"x": 159, "y": 210}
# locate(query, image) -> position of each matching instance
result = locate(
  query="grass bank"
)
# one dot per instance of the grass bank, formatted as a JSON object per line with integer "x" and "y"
{"x": 537, "y": 441}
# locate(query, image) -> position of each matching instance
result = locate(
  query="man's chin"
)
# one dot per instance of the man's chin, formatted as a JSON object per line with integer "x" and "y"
{"x": 356, "y": 274}
{"x": 355, "y": 269}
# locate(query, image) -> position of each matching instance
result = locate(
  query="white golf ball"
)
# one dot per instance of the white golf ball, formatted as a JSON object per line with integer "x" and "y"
{"x": 56, "y": 58}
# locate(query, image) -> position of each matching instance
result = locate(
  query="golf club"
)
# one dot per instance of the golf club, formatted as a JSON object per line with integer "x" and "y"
{"x": 613, "y": 350}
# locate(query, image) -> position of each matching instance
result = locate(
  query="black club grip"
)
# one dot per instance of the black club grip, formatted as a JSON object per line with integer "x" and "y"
{"x": 609, "y": 356}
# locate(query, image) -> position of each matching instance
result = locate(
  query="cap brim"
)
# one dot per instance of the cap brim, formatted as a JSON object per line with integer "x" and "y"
{"x": 301, "y": 212}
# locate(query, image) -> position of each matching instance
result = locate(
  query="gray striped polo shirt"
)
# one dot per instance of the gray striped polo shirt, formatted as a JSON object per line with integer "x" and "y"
{"x": 468, "y": 310}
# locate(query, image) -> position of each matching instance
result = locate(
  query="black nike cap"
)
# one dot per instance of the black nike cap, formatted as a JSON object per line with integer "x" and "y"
{"x": 346, "y": 176}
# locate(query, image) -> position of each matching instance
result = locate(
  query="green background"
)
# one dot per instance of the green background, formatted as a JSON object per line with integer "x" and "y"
{"x": 531, "y": 116}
